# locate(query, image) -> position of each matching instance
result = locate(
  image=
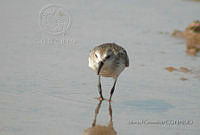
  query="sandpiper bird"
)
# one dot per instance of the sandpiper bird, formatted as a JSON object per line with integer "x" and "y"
{"x": 108, "y": 60}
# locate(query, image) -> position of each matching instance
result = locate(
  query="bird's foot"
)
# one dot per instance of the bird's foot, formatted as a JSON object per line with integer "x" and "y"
{"x": 110, "y": 99}
{"x": 100, "y": 98}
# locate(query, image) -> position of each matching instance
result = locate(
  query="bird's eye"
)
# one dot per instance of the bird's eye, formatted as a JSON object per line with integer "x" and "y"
{"x": 107, "y": 57}
{"x": 96, "y": 56}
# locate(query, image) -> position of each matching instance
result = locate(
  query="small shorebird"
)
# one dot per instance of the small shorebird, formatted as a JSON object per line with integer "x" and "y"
{"x": 108, "y": 60}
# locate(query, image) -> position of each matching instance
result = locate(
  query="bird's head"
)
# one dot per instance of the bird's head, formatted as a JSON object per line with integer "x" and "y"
{"x": 103, "y": 58}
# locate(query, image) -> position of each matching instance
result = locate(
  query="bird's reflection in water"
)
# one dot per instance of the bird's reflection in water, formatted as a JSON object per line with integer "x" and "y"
{"x": 101, "y": 129}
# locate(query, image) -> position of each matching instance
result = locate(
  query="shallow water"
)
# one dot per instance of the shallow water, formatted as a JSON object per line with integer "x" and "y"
{"x": 47, "y": 88}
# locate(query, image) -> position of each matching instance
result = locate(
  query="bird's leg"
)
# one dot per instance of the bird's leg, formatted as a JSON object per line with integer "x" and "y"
{"x": 96, "y": 113}
{"x": 99, "y": 88}
{"x": 112, "y": 90}
{"x": 110, "y": 113}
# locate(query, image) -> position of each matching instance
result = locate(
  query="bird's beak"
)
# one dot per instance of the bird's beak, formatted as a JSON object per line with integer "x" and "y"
{"x": 100, "y": 66}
